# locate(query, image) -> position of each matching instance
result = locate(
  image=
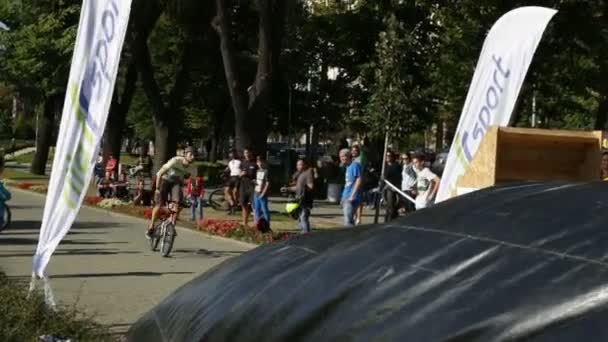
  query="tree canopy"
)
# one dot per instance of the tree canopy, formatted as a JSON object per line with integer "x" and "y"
{"x": 238, "y": 71}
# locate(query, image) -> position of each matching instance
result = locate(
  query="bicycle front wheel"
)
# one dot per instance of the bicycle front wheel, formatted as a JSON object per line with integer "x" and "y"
{"x": 167, "y": 239}
{"x": 5, "y": 219}
{"x": 155, "y": 238}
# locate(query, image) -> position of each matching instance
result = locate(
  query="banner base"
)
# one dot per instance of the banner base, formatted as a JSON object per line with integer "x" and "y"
{"x": 49, "y": 297}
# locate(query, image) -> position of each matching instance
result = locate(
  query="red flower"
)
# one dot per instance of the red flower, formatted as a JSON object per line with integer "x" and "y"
{"x": 93, "y": 200}
{"x": 25, "y": 186}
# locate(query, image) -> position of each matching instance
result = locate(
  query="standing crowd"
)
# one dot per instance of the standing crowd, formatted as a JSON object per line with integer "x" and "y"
{"x": 412, "y": 178}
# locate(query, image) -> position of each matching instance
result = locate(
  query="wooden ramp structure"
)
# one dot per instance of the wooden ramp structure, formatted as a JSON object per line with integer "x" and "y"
{"x": 510, "y": 154}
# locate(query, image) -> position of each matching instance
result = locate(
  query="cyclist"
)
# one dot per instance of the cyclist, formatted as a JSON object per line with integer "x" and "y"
{"x": 169, "y": 182}
{"x": 232, "y": 186}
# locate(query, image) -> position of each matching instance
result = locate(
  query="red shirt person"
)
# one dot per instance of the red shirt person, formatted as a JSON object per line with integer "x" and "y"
{"x": 111, "y": 166}
{"x": 196, "y": 190}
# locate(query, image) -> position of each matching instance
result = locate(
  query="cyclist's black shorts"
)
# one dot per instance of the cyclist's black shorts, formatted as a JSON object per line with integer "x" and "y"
{"x": 170, "y": 191}
{"x": 233, "y": 182}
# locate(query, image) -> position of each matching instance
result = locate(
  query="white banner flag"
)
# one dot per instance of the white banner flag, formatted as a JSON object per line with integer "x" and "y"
{"x": 101, "y": 33}
{"x": 499, "y": 75}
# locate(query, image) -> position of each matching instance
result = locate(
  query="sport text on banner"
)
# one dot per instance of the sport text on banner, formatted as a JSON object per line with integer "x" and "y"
{"x": 101, "y": 34}
{"x": 499, "y": 75}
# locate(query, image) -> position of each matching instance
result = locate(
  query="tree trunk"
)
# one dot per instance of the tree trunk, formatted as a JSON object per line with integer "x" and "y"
{"x": 314, "y": 141}
{"x": 221, "y": 23}
{"x": 118, "y": 115}
{"x": 251, "y": 106}
{"x": 213, "y": 149}
{"x": 166, "y": 117}
{"x": 601, "y": 116}
{"x": 166, "y": 144}
{"x": 46, "y": 124}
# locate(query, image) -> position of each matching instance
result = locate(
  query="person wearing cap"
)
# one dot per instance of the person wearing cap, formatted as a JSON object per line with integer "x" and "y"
{"x": 169, "y": 181}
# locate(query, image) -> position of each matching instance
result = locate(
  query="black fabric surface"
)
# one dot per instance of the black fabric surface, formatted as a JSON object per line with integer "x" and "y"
{"x": 524, "y": 262}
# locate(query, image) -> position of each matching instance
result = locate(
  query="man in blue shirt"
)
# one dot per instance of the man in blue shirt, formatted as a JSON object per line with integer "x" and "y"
{"x": 351, "y": 196}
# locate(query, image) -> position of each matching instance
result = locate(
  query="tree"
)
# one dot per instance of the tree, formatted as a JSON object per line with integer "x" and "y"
{"x": 250, "y": 104}
{"x": 121, "y": 102}
{"x": 165, "y": 104}
{"x": 36, "y": 60}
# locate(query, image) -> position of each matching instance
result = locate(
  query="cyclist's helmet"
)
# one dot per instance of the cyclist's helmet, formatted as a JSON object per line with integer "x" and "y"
{"x": 293, "y": 209}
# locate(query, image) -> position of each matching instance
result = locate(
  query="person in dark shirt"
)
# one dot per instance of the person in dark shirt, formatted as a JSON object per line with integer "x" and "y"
{"x": 99, "y": 170}
{"x": 249, "y": 170}
{"x": 303, "y": 189}
{"x": 392, "y": 173}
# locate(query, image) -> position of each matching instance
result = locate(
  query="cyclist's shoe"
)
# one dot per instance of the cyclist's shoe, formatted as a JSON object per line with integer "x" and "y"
{"x": 149, "y": 233}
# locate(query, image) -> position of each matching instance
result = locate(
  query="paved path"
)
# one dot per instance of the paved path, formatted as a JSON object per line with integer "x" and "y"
{"x": 104, "y": 265}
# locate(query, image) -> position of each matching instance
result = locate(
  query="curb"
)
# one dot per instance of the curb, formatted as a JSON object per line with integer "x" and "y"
{"x": 116, "y": 214}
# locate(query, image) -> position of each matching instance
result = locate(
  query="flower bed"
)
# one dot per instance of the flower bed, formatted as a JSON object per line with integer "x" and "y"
{"x": 235, "y": 230}
{"x": 93, "y": 200}
{"x": 25, "y": 185}
{"x": 109, "y": 203}
{"x": 36, "y": 187}
{"x": 39, "y": 188}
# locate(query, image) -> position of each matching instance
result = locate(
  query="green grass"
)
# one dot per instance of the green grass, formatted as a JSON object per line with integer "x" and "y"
{"x": 15, "y": 174}
{"x": 29, "y": 157}
{"x": 24, "y": 319}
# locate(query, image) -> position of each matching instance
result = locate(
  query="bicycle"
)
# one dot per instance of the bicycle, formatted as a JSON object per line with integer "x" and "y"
{"x": 5, "y": 210}
{"x": 164, "y": 232}
{"x": 217, "y": 201}
{"x": 5, "y": 219}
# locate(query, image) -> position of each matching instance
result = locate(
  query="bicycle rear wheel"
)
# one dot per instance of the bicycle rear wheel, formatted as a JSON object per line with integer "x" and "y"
{"x": 217, "y": 200}
{"x": 155, "y": 238}
{"x": 5, "y": 221}
{"x": 167, "y": 239}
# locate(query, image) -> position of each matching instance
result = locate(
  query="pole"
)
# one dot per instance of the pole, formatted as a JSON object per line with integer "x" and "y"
{"x": 533, "y": 107}
{"x": 386, "y": 136}
{"x": 36, "y": 138}
{"x": 288, "y": 152}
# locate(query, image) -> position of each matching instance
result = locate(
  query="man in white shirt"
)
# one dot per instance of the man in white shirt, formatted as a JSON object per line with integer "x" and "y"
{"x": 408, "y": 180}
{"x": 232, "y": 186}
{"x": 427, "y": 183}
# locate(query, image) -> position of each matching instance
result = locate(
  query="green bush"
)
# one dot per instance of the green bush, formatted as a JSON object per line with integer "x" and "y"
{"x": 212, "y": 172}
{"x": 23, "y": 319}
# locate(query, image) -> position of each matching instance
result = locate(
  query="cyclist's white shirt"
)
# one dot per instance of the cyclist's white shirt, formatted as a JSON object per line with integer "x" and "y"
{"x": 235, "y": 167}
{"x": 175, "y": 169}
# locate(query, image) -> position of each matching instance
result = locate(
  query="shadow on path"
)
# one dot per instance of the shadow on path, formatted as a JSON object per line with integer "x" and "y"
{"x": 208, "y": 253}
{"x": 126, "y": 274}
{"x": 30, "y": 254}
{"x": 29, "y": 224}
{"x": 34, "y": 241}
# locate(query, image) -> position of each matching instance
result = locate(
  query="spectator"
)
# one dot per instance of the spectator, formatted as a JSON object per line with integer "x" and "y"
{"x": 408, "y": 180}
{"x": 231, "y": 188}
{"x": 427, "y": 183}
{"x": 98, "y": 171}
{"x": 392, "y": 174}
{"x": 104, "y": 189}
{"x": 141, "y": 196}
{"x": 196, "y": 191}
{"x": 111, "y": 166}
{"x": 303, "y": 188}
{"x": 249, "y": 171}
{"x": 351, "y": 196}
{"x": 604, "y": 166}
{"x": 320, "y": 179}
{"x": 121, "y": 187}
{"x": 358, "y": 157}
{"x": 261, "y": 192}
